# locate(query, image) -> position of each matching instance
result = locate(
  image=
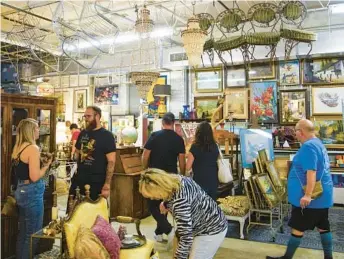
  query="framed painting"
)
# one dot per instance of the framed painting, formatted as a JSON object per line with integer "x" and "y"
{"x": 323, "y": 71}
{"x": 235, "y": 77}
{"x": 266, "y": 187}
{"x": 263, "y": 97}
{"x": 236, "y": 102}
{"x": 80, "y": 100}
{"x": 293, "y": 106}
{"x": 255, "y": 193}
{"x": 206, "y": 106}
{"x": 106, "y": 95}
{"x": 119, "y": 122}
{"x": 289, "y": 72}
{"x": 327, "y": 100}
{"x": 253, "y": 140}
{"x": 261, "y": 71}
{"x": 208, "y": 80}
{"x": 330, "y": 132}
{"x": 249, "y": 194}
{"x": 275, "y": 178}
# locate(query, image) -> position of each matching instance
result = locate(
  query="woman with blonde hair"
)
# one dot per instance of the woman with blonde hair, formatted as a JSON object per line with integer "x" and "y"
{"x": 201, "y": 225}
{"x": 29, "y": 184}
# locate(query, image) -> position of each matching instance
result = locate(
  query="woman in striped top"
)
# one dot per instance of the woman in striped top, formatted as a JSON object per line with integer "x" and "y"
{"x": 201, "y": 225}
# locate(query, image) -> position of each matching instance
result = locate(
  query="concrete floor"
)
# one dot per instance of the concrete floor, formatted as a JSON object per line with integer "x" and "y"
{"x": 230, "y": 248}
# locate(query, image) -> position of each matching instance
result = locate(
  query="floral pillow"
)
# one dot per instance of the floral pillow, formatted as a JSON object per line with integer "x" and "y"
{"x": 87, "y": 245}
{"x": 107, "y": 235}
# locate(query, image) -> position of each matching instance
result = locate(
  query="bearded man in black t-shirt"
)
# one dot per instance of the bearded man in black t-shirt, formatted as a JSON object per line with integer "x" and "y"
{"x": 162, "y": 150}
{"x": 96, "y": 157}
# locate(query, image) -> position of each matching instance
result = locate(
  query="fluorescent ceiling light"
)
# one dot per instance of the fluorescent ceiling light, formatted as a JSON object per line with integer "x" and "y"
{"x": 337, "y": 8}
{"x": 122, "y": 38}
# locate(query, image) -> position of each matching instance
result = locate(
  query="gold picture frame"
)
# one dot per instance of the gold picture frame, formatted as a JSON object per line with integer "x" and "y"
{"x": 207, "y": 104}
{"x": 257, "y": 196}
{"x": 268, "y": 190}
{"x": 236, "y": 101}
{"x": 249, "y": 194}
{"x": 262, "y": 70}
{"x": 275, "y": 178}
{"x": 209, "y": 80}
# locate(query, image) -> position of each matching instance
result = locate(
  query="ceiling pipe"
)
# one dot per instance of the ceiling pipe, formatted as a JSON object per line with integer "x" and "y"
{"x": 223, "y": 5}
{"x": 176, "y": 15}
{"x": 42, "y": 4}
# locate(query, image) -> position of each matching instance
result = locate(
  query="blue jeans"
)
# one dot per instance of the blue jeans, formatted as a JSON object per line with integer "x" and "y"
{"x": 30, "y": 204}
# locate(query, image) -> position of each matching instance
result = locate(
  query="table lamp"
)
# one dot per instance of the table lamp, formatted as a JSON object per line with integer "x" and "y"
{"x": 162, "y": 91}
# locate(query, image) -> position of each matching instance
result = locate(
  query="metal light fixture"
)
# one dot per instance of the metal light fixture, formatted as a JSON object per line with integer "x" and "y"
{"x": 193, "y": 39}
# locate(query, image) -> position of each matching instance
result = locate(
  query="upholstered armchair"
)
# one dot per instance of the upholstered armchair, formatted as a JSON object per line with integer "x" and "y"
{"x": 83, "y": 212}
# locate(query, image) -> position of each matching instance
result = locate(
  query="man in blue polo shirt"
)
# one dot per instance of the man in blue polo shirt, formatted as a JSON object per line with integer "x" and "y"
{"x": 310, "y": 164}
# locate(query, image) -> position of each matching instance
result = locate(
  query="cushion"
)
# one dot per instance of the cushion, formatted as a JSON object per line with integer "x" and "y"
{"x": 263, "y": 38}
{"x": 234, "y": 205}
{"x": 298, "y": 35}
{"x": 87, "y": 245}
{"x": 107, "y": 235}
{"x": 229, "y": 43}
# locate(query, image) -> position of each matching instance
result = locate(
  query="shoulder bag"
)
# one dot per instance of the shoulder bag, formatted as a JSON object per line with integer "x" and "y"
{"x": 224, "y": 167}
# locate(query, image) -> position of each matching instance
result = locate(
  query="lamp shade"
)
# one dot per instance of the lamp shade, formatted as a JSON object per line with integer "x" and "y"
{"x": 162, "y": 90}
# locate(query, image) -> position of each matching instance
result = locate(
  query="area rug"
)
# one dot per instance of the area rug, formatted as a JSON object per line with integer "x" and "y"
{"x": 310, "y": 240}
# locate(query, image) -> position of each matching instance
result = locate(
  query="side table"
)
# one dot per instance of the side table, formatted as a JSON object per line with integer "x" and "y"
{"x": 39, "y": 234}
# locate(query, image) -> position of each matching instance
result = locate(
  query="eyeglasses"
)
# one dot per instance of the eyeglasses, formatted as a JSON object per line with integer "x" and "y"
{"x": 89, "y": 115}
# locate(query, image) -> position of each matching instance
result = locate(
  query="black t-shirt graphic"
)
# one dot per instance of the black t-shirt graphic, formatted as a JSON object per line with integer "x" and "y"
{"x": 165, "y": 146}
{"x": 93, "y": 146}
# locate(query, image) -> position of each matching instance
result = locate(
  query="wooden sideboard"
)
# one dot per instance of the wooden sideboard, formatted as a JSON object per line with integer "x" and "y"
{"x": 125, "y": 198}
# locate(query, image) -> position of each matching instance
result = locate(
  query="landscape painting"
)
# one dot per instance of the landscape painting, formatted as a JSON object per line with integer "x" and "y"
{"x": 293, "y": 106}
{"x": 331, "y": 132}
{"x": 289, "y": 72}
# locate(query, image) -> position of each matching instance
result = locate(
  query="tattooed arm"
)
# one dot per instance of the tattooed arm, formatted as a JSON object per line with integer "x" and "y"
{"x": 111, "y": 158}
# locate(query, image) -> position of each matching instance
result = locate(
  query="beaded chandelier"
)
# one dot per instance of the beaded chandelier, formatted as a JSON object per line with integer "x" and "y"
{"x": 143, "y": 81}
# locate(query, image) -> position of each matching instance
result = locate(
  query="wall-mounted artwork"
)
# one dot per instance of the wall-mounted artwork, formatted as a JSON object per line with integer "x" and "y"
{"x": 119, "y": 122}
{"x": 263, "y": 96}
{"x": 235, "y": 77}
{"x": 236, "y": 101}
{"x": 208, "y": 80}
{"x": 206, "y": 106}
{"x": 80, "y": 100}
{"x": 323, "y": 71}
{"x": 327, "y": 100}
{"x": 293, "y": 106}
{"x": 253, "y": 140}
{"x": 261, "y": 71}
{"x": 106, "y": 95}
{"x": 289, "y": 72}
{"x": 331, "y": 132}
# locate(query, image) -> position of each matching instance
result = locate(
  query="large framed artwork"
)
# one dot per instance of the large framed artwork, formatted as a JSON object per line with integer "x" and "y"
{"x": 106, "y": 95}
{"x": 264, "y": 70}
{"x": 263, "y": 97}
{"x": 236, "y": 101}
{"x": 289, "y": 72}
{"x": 330, "y": 132}
{"x": 327, "y": 100}
{"x": 235, "y": 77}
{"x": 293, "y": 106}
{"x": 253, "y": 140}
{"x": 80, "y": 100}
{"x": 206, "y": 106}
{"x": 323, "y": 71}
{"x": 208, "y": 80}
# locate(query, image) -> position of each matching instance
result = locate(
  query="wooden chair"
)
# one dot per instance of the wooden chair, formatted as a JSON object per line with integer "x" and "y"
{"x": 84, "y": 211}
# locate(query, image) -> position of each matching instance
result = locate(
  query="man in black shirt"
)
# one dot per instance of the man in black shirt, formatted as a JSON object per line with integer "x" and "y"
{"x": 96, "y": 156}
{"x": 161, "y": 151}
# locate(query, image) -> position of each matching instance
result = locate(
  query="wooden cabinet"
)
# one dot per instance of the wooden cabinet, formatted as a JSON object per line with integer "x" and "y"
{"x": 13, "y": 109}
{"x": 125, "y": 199}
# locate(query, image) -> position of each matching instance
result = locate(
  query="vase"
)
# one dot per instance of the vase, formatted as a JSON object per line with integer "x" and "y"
{"x": 186, "y": 113}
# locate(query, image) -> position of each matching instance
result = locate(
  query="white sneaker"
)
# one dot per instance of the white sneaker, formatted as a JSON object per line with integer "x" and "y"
{"x": 170, "y": 238}
{"x": 158, "y": 238}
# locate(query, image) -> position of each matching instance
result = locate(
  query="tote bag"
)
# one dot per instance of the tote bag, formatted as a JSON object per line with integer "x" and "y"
{"x": 225, "y": 170}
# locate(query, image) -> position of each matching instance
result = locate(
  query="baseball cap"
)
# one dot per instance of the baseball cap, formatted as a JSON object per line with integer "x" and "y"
{"x": 168, "y": 117}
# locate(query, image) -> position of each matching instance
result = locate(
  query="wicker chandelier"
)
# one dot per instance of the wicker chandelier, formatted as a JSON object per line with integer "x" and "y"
{"x": 193, "y": 39}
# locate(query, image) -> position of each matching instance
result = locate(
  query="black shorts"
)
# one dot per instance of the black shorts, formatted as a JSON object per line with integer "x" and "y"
{"x": 308, "y": 219}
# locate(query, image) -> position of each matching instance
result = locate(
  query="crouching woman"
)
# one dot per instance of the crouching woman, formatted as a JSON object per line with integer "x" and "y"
{"x": 201, "y": 225}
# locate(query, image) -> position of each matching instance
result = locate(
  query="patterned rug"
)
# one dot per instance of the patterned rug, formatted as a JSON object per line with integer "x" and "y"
{"x": 310, "y": 240}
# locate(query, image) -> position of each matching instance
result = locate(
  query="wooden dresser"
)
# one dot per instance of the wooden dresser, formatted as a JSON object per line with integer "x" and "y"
{"x": 125, "y": 198}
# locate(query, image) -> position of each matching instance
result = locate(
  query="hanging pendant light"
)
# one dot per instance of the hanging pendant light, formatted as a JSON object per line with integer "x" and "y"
{"x": 45, "y": 88}
{"x": 193, "y": 39}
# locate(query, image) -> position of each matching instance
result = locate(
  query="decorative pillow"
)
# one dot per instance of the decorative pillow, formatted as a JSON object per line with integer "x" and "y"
{"x": 87, "y": 245}
{"x": 107, "y": 235}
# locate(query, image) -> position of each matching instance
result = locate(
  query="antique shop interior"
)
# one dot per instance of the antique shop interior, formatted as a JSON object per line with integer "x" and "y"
{"x": 251, "y": 69}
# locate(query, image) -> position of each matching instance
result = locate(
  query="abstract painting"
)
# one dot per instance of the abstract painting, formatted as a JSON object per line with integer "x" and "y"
{"x": 80, "y": 100}
{"x": 327, "y": 100}
{"x": 253, "y": 140}
{"x": 289, "y": 72}
{"x": 293, "y": 106}
{"x": 236, "y": 102}
{"x": 206, "y": 106}
{"x": 323, "y": 71}
{"x": 330, "y": 132}
{"x": 208, "y": 80}
{"x": 235, "y": 77}
{"x": 264, "y": 101}
{"x": 106, "y": 95}
{"x": 261, "y": 71}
